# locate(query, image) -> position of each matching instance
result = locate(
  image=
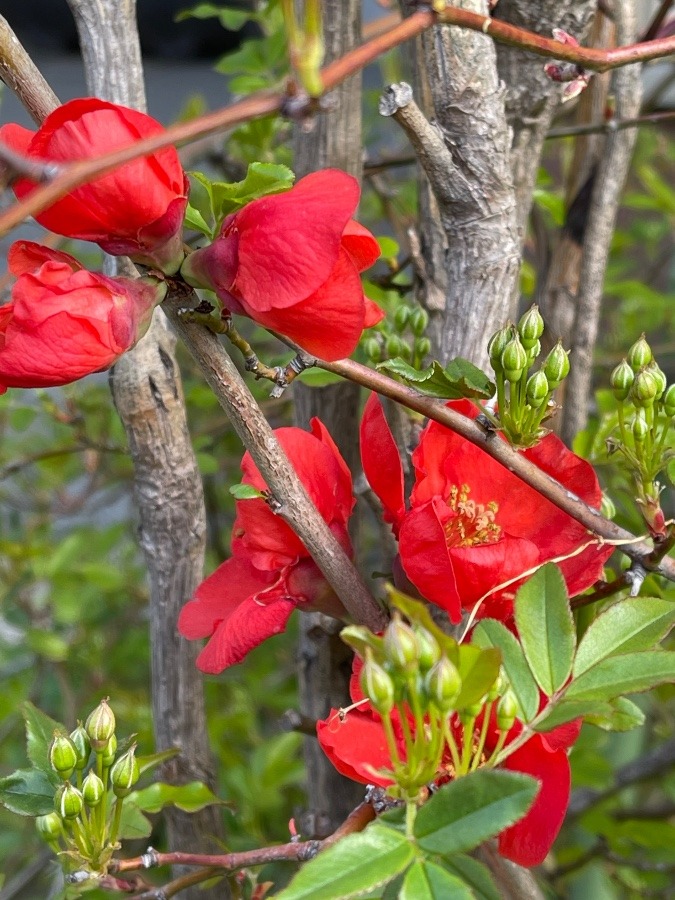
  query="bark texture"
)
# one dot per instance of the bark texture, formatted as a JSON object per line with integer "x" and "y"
{"x": 324, "y": 661}
{"x": 147, "y": 392}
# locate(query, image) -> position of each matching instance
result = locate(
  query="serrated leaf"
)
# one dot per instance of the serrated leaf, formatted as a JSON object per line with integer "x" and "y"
{"x": 426, "y": 880}
{"x": 479, "y": 670}
{"x": 491, "y": 633}
{"x": 418, "y": 612}
{"x": 474, "y": 874}
{"x": 628, "y": 626}
{"x": 245, "y": 492}
{"x": 567, "y": 710}
{"x": 40, "y": 730}
{"x": 188, "y": 797}
{"x": 620, "y": 715}
{"x": 152, "y": 760}
{"x": 356, "y": 864}
{"x": 546, "y": 627}
{"x": 27, "y": 792}
{"x": 627, "y": 674}
{"x": 458, "y": 379}
{"x": 468, "y": 811}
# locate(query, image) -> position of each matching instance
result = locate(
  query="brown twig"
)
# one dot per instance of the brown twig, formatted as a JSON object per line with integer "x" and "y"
{"x": 177, "y": 885}
{"x": 657, "y": 21}
{"x": 267, "y": 102}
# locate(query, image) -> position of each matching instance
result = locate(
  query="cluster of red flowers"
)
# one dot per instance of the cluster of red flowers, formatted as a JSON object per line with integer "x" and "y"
{"x": 289, "y": 261}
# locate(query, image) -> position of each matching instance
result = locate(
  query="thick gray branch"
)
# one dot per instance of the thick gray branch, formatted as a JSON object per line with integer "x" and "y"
{"x": 21, "y": 75}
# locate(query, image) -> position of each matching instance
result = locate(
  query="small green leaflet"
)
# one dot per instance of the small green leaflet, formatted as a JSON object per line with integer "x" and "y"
{"x": 458, "y": 379}
{"x": 245, "y": 492}
{"x": 478, "y": 669}
{"x": 27, "y": 792}
{"x": 627, "y": 674}
{"x": 491, "y": 633}
{"x": 188, "y": 797}
{"x": 426, "y": 880}
{"x": 40, "y": 730}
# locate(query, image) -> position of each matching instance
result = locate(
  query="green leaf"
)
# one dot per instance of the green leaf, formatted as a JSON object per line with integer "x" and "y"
{"x": 361, "y": 640}
{"x": 621, "y": 715}
{"x": 133, "y": 824}
{"x": 566, "y": 710}
{"x": 356, "y": 864}
{"x": 491, "y": 633}
{"x": 419, "y": 612}
{"x": 389, "y": 248}
{"x": 261, "y": 180}
{"x": 546, "y": 627}
{"x": 318, "y": 378}
{"x": 458, "y": 379}
{"x": 195, "y": 220}
{"x": 188, "y": 797}
{"x": 232, "y": 19}
{"x": 474, "y": 874}
{"x": 479, "y": 670}
{"x": 152, "y": 760}
{"x": 627, "y": 674}
{"x": 40, "y": 730}
{"x": 245, "y": 492}
{"x": 628, "y": 626}
{"x": 469, "y": 810}
{"x": 426, "y": 880}
{"x": 27, "y": 792}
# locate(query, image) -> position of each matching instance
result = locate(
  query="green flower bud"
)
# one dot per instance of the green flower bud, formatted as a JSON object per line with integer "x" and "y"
{"x": 498, "y": 688}
{"x": 531, "y": 327}
{"x": 125, "y": 773}
{"x": 443, "y": 684}
{"x": 419, "y": 320}
{"x": 556, "y": 366}
{"x": 536, "y": 390}
{"x": 68, "y": 801}
{"x": 470, "y": 713}
{"x": 644, "y": 390}
{"x": 533, "y": 352}
{"x": 100, "y": 726}
{"x": 607, "y": 507}
{"x": 496, "y": 346}
{"x": 640, "y": 354}
{"x": 377, "y": 686}
{"x": 108, "y": 757}
{"x": 422, "y": 346}
{"x": 394, "y": 346}
{"x": 62, "y": 755}
{"x": 669, "y": 402}
{"x": 401, "y": 318}
{"x": 406, "y": 352}
{"x": 640, "y": 429}
{"x": 661, "y": 383}
{"x": 400, "y": 645}
{"x": 621, "y": 380}
{"x": 93, "y": 789}
{"x": 80, "y": 739}
{"x": 49, "y": 827}
{"x": 372, "y": 349}
{"x": 428, "y": 650}
{"x": 514, "y": 359}
{"x": 507, "y": 710}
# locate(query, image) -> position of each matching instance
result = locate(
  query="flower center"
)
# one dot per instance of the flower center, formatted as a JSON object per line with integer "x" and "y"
{"x": 474, "y": 523}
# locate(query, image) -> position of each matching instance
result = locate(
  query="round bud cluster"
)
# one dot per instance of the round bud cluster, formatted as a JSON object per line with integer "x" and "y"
{"x": 402, "y": 335}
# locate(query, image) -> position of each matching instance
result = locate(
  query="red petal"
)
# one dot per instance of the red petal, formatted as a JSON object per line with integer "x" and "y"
{"x": 481, "y": 568}
{"x": 329, "y": 322}
{"x": 529, "y": 840}
{"x": 27, "y": 256}
{"x": 360, "y": 245}
{"x": 344, "y": 497}
{"x": 373, "y": 313}
{"x": 289, "y": 243}
{"x": 356, "y": 746}
{"x": 381, "y": 461}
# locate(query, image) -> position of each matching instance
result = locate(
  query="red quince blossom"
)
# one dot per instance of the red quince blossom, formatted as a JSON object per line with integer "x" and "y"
{"x": 136, "y": 210}
{"x": 251, "y": 596}
{"x": 291, "y": 262}
{"x": 471, "y": 524}
{"x": 64, "y": 322}
{"x": 355, "y": 743}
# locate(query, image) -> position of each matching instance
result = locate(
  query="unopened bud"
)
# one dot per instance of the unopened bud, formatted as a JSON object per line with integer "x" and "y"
{"x": 556, "y": 366}
{"x": 514, "y": 359}
{"x": 401, "y": 318}
{"x": 49, "y": 827}
{"x": 531, "y": 327}
{"x": 100, "y": 726}
{"x": 661, "y": 382}
{"x": 394, "y": 346}
{"x": 507, "y": 710}
{"x": 125, "y": 773}
{"x": 640, "y": 354}
{"x": 62, "y": 755}
{"x": 669, "y": 402}
{"x": 640, "y": 430}
{"x": 428, "y": 650}
{"x": 68, "y": 801}
{"x": 422, "y": 346}
{"x": 400, "y": 645}
{"x": 373, "y": 349}
{"x": 537, "y": 389}
{"x": 644, "y": 390}
{"x": 498, "y": 688}
{"x": 607, "y": 507}
{"x": 377, "y": 686}
{"x": 108, "y": 757}
{"x": 621, "y": 380}
{"x": 470, "y": 713}
{"x": 93, "y": 789}
{"x": 533, "y": 352}
{"x": 419, "y": 320}
{"x": 443, "y": 684}
{"x": 80, "y": 739}
{"x": 496, "y": 346}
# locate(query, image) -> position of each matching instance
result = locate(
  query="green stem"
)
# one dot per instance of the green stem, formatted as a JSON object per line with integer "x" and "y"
{"x": 391, "y": 743}
{"x": 117, "y": 816}
{"x": 452, "y": 745}
{"x": 481, "y": 738}
{"x": 467, "y": 745}
{"x": 501, "y": 740}
{"x": 410, "y": 816}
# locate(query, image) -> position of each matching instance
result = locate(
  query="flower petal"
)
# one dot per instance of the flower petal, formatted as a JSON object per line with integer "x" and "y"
{"x": 360, "y": 245}
{"x": 381, "y": 461}
{"x": 356, "y": 745}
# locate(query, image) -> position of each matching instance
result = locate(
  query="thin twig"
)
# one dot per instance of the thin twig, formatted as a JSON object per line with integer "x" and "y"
{"x": 178, "y": 884}
{"x": 657, "y": 21}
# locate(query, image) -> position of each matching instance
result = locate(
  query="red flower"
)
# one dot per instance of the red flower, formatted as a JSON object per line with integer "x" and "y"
{"x": 472, "y": 524}
{"x": 251, "y": 596}
{"x": 135, "y": 211}
{"x": 291, "y": 262}
{"x": 356, "y": 745}
{"x": 64, "y": 322}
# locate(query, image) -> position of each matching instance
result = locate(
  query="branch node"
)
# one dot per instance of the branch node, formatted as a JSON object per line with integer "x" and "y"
{"x": 634, "y": 577}
{"x": 395, "y": 97}
{"x": 150, "y": 858}
{"x": 309, "y": 851}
